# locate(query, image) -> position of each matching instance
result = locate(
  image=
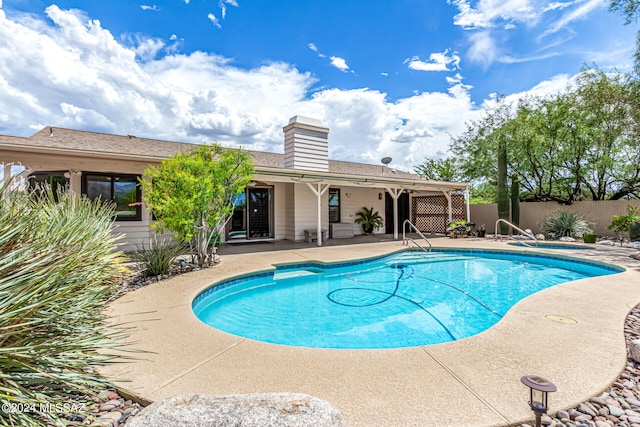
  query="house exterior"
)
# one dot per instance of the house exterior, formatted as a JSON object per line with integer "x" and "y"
{"x": 297, "y": 195}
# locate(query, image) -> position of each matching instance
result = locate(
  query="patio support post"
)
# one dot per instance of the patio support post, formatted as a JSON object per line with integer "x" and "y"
{"x": 319, "y": 190}
{"x": 448, "y": 196}
{"x": 6, "y": 169}
{"x": 395, "y": 193}
{"x": 466, "y": 198}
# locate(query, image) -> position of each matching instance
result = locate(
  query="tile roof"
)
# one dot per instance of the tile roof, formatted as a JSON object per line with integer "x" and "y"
{"x": 130, "y": 145}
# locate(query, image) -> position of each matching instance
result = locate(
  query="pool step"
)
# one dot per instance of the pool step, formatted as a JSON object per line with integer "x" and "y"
{"x": 298, "y": 272}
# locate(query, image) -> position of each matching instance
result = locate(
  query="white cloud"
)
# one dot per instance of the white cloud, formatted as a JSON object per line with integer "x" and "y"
{"x": 437, "y": 62}
{"x": 488, "y": 13}
{"x": 75, "y": 74}
{"x": 339, "y": 63}
{"x": 573, "y": 15}
{"x": 490, "y": 24}
{"x": 483, "y": 48}
{"x": 215, "y": 21}
{"x": 314, "y": 48}
{"x": 557, "y": 6}
{"x": 222, "y": 4}
{"x": 146, "y": 7}
{"x": 511, "y": 60}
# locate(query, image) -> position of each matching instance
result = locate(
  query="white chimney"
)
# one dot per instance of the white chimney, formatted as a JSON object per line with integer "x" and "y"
{"x": 306, "y": 144}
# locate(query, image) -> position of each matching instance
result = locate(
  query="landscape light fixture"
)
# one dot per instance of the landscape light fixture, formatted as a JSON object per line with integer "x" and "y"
{"x": 538, "y": 390}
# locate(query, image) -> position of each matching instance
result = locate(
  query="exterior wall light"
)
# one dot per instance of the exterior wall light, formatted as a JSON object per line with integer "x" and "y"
{"x": 538, "y": 390}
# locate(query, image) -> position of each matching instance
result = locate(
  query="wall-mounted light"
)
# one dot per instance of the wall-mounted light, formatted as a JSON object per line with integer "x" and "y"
{"x": 68, "y": 173}
{"x": 348, "y": 195}
{"x": 379, "y": 196}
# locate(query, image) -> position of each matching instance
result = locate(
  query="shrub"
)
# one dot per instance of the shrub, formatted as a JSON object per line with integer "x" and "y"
{"x": 621, "y": 223}
{"x": 634, "y": 230}
{"x": 563, "y": 223}
{"x": 58, "y": 266}
{"x": 159, "y": 256}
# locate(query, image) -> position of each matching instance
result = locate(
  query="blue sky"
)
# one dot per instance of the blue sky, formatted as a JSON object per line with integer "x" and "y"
{"x": 389, "y": 78}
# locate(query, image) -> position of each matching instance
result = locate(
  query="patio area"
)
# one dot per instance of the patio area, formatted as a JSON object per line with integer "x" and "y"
{"x": 470, "y": 382}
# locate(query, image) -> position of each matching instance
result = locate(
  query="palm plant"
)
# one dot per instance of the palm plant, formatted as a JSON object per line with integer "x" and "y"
{"x": 369, "y": 219}
{"x": 564, "y": 223}
{"x": 58, "y": 266}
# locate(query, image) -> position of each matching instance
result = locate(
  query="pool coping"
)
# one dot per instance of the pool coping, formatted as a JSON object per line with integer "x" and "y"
{"x": 473, "y": 381}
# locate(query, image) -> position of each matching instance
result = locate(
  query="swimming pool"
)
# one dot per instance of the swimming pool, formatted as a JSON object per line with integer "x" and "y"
{"x": 405, "y": 299}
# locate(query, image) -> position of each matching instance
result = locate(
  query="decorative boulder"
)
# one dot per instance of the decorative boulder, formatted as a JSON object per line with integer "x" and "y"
{"x": 635, "y": 245}
{"x": 566, "y": 239}
{"x": 239, "y": 410}
{"x": 540, "y": 236}
{"x": 634, "y": 350}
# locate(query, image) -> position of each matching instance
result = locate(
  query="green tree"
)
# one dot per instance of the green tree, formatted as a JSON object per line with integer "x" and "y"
{"x": 191, "y": 194}
{"x": 439, "y": 170}
{"x": 580, "y": 144}
{"x": 630, "y": 9}
{"x": 483, "y": 152}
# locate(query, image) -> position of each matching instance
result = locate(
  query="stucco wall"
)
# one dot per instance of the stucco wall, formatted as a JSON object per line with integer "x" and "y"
{"x": 354, "y": 198}
{"x": 532, "y": 215}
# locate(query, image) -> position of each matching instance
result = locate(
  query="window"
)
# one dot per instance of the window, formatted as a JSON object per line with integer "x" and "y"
{"x": 55, "y": 180}
{"x": 334, "y": 205}
{"x": 121, "y": 189}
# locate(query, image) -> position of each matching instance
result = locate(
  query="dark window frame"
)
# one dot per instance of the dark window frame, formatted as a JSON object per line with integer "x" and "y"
{"x": 33, "y": 177}
{"x": 337, "y": 209}
{"x": 114, "y": 177}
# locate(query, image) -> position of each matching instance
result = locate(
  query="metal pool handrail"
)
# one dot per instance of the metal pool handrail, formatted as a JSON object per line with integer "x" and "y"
{"x": 405, "y": 239}
{"x": 526, "y": 233}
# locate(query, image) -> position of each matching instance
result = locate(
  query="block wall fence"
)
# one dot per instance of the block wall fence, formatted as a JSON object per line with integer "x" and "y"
{"x": 532, "y": 214}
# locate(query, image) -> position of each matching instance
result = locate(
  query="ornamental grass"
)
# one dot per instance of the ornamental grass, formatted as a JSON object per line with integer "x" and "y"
{"x": 58, "y": 266}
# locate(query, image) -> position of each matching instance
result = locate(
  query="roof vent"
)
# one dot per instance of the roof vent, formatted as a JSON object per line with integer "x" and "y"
{"x": 50, "y": 131}
{"x": 131, "y": 136}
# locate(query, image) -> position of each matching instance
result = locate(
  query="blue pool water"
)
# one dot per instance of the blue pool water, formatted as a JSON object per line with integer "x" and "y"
{"x": 406, "y": 299}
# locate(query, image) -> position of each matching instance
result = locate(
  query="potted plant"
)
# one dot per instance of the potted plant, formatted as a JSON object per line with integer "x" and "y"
{"x": 589, "y": 237}
{"x": 369, "y": 219}
{"x": 482, "y": 230}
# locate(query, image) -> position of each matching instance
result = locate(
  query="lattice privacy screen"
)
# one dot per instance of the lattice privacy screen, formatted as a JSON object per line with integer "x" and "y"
{"x": 431, "y": 213}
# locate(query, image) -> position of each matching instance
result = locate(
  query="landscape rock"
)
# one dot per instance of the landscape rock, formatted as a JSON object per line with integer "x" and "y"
{"x": 634, "y": 350}
{"x": 240, "y": 410}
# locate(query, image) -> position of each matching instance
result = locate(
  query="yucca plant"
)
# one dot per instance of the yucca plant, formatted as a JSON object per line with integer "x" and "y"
{"x": 158, "y": 256}
{"x": 57, "y": 268}
{"x": 564, "y": 223}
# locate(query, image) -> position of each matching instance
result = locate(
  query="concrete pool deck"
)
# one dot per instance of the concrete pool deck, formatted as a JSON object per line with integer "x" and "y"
{"x": 470, "y": 382}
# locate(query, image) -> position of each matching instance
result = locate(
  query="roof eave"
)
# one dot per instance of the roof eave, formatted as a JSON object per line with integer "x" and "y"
{"x": 304, "y": 176}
